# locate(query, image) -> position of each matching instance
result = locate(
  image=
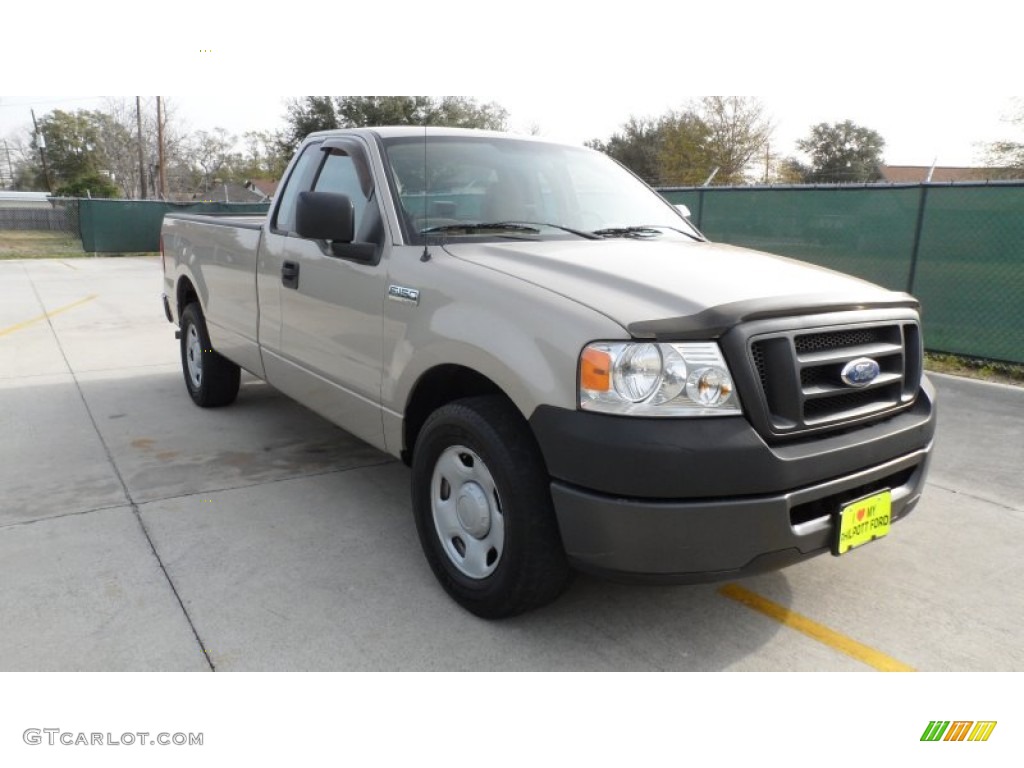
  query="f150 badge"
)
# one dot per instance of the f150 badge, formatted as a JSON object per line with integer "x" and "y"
{"x": 403, "y": 294}
{"x": 860, "y": 372}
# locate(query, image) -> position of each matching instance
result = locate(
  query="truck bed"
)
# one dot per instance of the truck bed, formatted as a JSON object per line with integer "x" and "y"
{"x": 220, "y": 253}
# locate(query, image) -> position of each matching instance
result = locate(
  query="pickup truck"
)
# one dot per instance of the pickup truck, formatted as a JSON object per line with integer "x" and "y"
{"x": 577, "y": 377}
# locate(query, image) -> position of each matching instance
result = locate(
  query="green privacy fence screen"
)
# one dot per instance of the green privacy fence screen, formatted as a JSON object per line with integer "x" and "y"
{"x": 129, "y": 226}
{"x": 958, "y": 248}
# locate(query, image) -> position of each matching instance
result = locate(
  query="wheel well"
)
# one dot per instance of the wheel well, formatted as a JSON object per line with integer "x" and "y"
{"x": 437, "y": 387}
{"x": 186, "y": 294}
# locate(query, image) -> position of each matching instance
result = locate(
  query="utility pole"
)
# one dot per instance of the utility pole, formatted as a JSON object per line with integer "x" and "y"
{"x": 767, "y": 159}
{"x": 160, "y": 146}
{"x": 142, "y": 161}
{"x": 41, "y": 143}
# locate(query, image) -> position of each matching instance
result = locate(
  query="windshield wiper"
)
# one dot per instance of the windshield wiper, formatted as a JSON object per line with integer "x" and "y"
{"x": 527, "y": 227}
{"x": 642, "y": 230}
{"x": 476, "y": 227}
{"x": 577, "y": 232}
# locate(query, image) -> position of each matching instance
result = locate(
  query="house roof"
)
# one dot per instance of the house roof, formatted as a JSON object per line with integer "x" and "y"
{"x": 13, "y": 199}
{"x": 266, "y": 187}
{"x": 914, "y": 174}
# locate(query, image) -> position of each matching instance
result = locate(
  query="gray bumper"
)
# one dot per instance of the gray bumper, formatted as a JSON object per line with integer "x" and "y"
{"x": 715, "y": 539}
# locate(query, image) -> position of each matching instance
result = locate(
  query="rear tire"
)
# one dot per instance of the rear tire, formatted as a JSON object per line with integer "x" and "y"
{"x": 212, "y": 380}
{"x": 483, "y": 509}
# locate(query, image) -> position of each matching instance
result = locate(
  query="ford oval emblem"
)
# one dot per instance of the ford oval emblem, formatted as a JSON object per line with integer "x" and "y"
{"x": 860, "y": 372}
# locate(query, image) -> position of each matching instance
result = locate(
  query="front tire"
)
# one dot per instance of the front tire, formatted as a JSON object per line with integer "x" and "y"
{"x": 483, "y": 509}
{"x": 212, "y": 380}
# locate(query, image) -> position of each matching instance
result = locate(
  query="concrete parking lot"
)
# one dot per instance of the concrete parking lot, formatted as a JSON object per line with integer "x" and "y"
{"x": 138, "y": 532}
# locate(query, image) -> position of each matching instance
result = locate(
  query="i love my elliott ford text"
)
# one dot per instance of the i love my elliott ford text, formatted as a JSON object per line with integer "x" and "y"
{"x": 872, "y": 522}
{"x": 54, "y": 736}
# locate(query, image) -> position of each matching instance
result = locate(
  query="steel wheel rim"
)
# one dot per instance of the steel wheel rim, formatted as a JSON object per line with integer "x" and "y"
{"x": 467, "y": 512}
{"x": 194, "y": 357}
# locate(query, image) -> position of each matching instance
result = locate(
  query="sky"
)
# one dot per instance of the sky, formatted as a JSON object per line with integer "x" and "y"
{"x": 935, "y": 84}
{"x": 917, "y": 131}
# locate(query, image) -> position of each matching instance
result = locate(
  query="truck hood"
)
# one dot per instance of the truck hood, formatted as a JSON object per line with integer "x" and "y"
{"x": 668, "y": 287}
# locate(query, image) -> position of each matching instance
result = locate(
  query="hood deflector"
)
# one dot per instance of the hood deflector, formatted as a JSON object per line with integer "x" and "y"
{"x": 714, "y": 321}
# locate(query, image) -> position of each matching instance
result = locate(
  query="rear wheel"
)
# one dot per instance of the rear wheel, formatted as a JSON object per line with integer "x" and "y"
{"x": 483, "y": 509}
{"x": 212, "y": 379}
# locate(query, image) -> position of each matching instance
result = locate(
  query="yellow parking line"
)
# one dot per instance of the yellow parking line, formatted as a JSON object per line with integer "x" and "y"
{"x": 65, "y": 308}
{"x": 814, "y": 630}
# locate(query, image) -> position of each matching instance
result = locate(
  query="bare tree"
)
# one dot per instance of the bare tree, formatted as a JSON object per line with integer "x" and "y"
{"x": 1008, "y": 154}
{"x": 211, "y": 154}
{"x": 120, "y": 143}
{"x": 738, "y": 129}
{"x": 22, "y": 160}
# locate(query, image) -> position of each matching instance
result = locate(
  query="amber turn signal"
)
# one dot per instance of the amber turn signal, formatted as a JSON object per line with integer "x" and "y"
{"x": 595, "y": 370}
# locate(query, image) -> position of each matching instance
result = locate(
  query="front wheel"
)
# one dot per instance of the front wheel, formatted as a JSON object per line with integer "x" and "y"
{"x": 483, "y": 509}
{"x": 212, "y": 379}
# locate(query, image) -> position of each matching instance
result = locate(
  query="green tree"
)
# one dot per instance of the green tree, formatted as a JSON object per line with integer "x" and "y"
{"x": 75, "y": 152}
{"x": 789, "y": 170}
{"x": 318, "y": 113}
{"x": 683, "y": 157}
{"x": 637, "y": 145}
{"x": 842, "y": 153}
{"x": 303, "y": 117}
{"x": 359, "y": 111}
{"x": 261, "y": 157}
{"x": 718, "y": 134}
{"x": 464, "y": 112}
{"x": 454, "y": 111}
{"x": 89, "y": 184}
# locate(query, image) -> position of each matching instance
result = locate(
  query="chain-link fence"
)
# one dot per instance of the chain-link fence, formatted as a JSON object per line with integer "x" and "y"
{"x": 959, "y": 248}
{"x": 60, "y": 215}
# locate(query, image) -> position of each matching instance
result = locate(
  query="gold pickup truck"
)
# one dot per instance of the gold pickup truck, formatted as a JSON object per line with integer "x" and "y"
{"x": 578, "y": 379}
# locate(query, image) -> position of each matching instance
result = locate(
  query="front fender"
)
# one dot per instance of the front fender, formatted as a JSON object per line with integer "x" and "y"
{"x": 522, "y": 337}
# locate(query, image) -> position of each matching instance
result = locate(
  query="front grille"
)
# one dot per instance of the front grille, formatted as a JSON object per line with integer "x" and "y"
{"x": 760, "y": 363}
{"x": 815, "y": 342}
{"x": 800, "y": 373}
{"x": 824, "y": 408}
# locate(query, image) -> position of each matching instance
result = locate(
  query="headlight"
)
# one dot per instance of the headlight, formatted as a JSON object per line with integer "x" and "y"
{"x": 645, "y": 379}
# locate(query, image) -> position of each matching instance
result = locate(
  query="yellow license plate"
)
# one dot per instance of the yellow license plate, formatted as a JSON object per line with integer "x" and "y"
{"x": 862, "y": 521}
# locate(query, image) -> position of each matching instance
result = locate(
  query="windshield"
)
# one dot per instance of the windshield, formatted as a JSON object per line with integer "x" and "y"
{"x": 498, "y": 188}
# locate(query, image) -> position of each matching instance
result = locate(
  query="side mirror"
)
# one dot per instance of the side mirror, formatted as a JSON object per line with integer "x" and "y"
{"x": 325, "y": 216}
{"x": 683, "y": 209}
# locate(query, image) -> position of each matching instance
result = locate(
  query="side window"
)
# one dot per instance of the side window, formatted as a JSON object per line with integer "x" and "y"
{"x": 339, "y": 175}
{"x": 300, "y": 180}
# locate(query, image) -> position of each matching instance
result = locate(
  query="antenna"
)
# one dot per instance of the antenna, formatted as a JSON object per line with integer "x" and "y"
{"x": 425, "y": 256}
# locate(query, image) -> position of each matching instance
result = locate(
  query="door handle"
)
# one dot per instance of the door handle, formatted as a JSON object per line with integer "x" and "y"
{"x": 290, "y": 274}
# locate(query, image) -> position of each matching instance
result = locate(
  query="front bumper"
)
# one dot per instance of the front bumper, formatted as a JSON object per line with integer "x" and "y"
{"x": 715, "y": 539}
{"x": 675, "y": 502}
